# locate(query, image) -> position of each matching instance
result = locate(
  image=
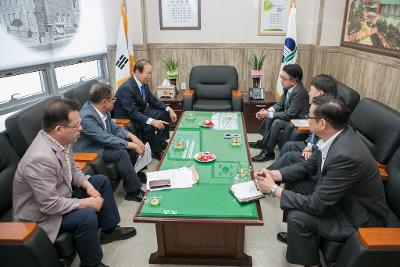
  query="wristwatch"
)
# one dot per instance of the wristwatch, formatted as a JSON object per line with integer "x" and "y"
{"x": 273, "y": 190}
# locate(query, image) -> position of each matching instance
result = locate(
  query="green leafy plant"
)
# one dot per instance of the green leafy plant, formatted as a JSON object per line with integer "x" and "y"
{"x": 171, "y": 65}
{"x": 257, "y": 62}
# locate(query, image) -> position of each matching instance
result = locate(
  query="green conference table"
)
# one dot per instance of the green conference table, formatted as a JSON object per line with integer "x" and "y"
{"x": 203, "y": 224}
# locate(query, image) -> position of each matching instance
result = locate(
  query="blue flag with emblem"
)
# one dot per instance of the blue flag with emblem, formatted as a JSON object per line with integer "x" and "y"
{"x": 289, "y": 55}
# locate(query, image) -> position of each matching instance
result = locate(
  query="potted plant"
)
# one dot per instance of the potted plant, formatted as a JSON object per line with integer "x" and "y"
{"x": 256, "y": 63}
{"x": 171, "y": 65}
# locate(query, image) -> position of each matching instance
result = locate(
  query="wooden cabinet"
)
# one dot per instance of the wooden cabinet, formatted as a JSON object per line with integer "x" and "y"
{"x": 175, "y": 104}
{"x": 250, "y": 107}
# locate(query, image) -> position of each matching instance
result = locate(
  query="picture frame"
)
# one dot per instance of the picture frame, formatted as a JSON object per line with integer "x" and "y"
{"x": 180, "y": 14}
{"x": 273, "y": 17}
{"x": 372, "y": 26}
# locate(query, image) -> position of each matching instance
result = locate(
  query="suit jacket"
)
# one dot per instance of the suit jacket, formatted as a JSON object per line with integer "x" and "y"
{"x": 42, "y": 189}
{"x": 348, "y": 189}
{"x": 130, "y": 103}
{"x": 297, "y": 106}
{"x": 94, "y": 137}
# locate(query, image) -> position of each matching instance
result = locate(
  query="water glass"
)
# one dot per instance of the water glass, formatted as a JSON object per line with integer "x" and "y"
{"x": 242, "y": 170}
{"x": 235, "y": 141}
{"x": 189, "y": 116}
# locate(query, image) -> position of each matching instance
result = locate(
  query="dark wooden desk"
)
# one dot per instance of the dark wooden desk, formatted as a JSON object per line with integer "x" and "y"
{"x": 175, "y": 104}
{"x": 250, "y": 107}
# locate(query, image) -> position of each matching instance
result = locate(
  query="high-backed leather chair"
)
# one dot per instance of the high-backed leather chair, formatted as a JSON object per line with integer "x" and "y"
{"x": 213, "y": 88}
{"x": 378, "y": 126}
{"x": 80, "y": 92}
{"x": 23, "y": 126}
{"x": 350, "y": 96}
{"x": 372, "y": 246}
{"x": 25, "y": 244}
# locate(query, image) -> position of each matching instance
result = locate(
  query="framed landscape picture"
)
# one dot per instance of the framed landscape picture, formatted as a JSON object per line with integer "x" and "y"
{"x": 372, "y": 25}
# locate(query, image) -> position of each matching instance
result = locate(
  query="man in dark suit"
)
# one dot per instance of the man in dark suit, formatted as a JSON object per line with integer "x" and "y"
{"x": 133, "y": 100}
{"x": 333, "y": 193}
{"x": 297, "y": 151}
{"x": 50, "y": 189}
{"x": 292, "y": 105}
{"x": 101, "y": 135}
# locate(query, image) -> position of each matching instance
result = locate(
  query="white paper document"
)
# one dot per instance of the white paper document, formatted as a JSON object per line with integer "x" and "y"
{"x": 142, "y": 161}
{"x": 246, "y": 192}
{"x": 225, "y": 121}
{"x": 180, "y": 178}
{"x": 300, "y": 122}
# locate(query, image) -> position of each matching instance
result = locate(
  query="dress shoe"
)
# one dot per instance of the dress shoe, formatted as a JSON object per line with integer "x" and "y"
{"x": 282, "y": 236}
{"x": 164, "y": 145}
{"x": 119, "y": 233}
{"x": 256, "y": 144}
{"x": 136, "y": 196}
{"x": 142, "y": 177}
{"x": 98, "y": 265}
{"x": 156, "y": 155}
{"x": 264, "y": 156}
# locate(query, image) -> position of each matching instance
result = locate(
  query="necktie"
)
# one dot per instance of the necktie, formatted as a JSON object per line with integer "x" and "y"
{"x": 142, "y": 88}
{"x": 287, "y": 99}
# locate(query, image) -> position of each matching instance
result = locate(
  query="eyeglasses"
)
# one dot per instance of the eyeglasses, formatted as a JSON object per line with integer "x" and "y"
{"x": 110, "y": 99}
{"x": 77, "y": 126}
{"x": 312, "y": 118}
{"x": 284, "y": 78}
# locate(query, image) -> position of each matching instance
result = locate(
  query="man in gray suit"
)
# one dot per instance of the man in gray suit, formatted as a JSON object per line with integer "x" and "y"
{"x": 100, "y": 134}
{"x": 333, "y": 193}
{"x": 292, "y": 105}
{"x": 51, "y": 190}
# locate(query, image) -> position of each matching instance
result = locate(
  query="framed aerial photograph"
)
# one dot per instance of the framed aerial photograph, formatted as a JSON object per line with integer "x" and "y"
{"x": 372, "y": 25}
{"x": 180, "y": 14}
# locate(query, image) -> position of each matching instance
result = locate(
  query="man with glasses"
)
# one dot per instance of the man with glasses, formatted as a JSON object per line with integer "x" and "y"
{"x": 101, "y": 135}
{"x": 149, "y": 115}
{"x": 296, "y": 151}
{"x": 292, "y": 105}
{"x": 51, "y": 190}
{"x": 333, "y": 193}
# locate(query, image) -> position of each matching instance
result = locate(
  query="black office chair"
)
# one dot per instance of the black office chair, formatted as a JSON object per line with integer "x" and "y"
{"x": 213, "y": 88}
{"x": 36, "y": 250}
{"x": 378, "y": 126}
{"x": 359, "y": 249}
{"x": 80, "y": 92}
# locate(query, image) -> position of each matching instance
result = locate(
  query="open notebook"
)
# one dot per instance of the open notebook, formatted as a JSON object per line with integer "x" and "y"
{"x": 246, "y": 192}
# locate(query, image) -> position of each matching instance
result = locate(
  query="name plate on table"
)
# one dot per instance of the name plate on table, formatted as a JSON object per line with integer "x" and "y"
{"x": 166, "y": 91}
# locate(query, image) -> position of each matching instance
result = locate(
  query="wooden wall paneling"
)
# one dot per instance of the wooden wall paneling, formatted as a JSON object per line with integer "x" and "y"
{"x": 370, "y": 80}
{"x": 325, "y": 60}
{"x": 373, "y": 76}
{"x": 389, "y": 85}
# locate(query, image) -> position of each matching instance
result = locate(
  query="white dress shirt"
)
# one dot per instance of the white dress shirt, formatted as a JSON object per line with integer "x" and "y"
{"x": 325, "y": 146}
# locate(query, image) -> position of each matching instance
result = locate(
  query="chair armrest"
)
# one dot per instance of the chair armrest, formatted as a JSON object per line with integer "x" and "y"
{"x": 188, "y": 99}
{"x": 81, "y": 164}
{"x": 380, "y": 238}
{"x": 16, "y": 232}
{"x": 121, "y": 122}
{"x": 237, "y": 101}
{"x": 303, "y": 129}
{"x": 382, "y": 171}
{"x": 85, "y": 157}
